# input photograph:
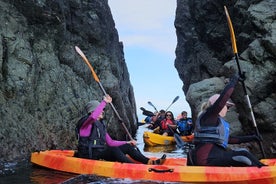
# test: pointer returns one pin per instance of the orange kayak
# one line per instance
(153, 139)
(173, 170)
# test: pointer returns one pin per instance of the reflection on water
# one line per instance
(26, 173)
(92, 179)
(159, 149)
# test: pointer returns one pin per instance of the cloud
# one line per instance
(149, 23)
(146, 28)
(145, 14)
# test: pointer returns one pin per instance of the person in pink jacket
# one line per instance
(95, 143)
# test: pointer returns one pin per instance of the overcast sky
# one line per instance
(146, 28)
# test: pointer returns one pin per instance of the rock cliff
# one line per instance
(205, 59)
(44, 83)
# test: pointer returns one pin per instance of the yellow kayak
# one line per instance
(173, 169)
(153, 139)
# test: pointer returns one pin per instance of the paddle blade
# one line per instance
(179, 142)
(152, 105)
(233, 39)
(88, 63)
(175, 99)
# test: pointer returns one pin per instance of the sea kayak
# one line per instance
(153, 139)
(173, 170)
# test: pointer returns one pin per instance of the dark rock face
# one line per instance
(204, 58)
(45, 83)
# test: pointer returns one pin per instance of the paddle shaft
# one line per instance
(235, 50)
(180, 143)
(116, 112)
(169, 106)
(102, 88)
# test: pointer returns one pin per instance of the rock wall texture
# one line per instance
(205, 59)
(44, 83)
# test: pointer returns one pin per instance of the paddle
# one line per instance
(152, 106)
(235, 50)
(101, 86)
(179, 142)
(174, 100)
(146, 112)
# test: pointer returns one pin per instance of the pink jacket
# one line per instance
(88, 124)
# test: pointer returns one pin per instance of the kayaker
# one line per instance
(184, 124)
(95, 143)
(165, 123)
(156, 119)
(211, 134)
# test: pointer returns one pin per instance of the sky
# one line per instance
(146, 28)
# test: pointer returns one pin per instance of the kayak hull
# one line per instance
(173, 170)
(153, 139)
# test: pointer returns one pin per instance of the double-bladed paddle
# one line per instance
(102, 88)
(235, 51)
(174, 100)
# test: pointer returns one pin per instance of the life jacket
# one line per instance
(96, 140)
(148, 119)
(185, 125)
(79, 125)
(164, 122)
(218, 134)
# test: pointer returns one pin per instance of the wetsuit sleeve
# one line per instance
(210, 118)
(96, 113)
(87, 125)
(242, 139)
(113, 143)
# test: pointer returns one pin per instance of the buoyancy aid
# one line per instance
(185, 124)
(96, 140)
(165, 122)
(218, 134)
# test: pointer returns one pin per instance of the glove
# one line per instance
(242, 77)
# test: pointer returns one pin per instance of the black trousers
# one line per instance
(119, 154)
(214, 155)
